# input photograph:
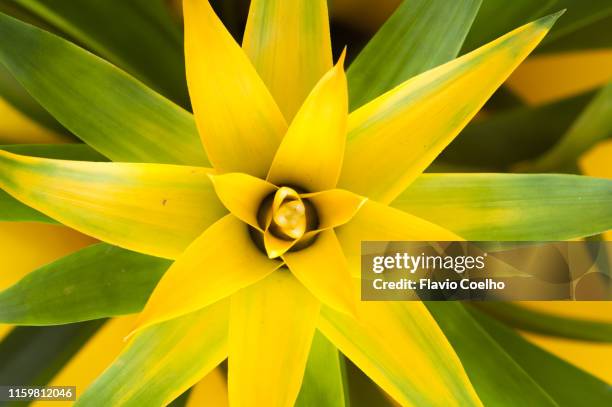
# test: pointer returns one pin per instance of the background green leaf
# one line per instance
(144, 40)
(593, 125)
(496, 141)
(566, 384)
(499, 16)
(512, 206)
(33, 355)
(420, 35)
(109, 110)
(527, 319)
(95, 282)
(497, 378)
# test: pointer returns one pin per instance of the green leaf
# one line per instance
(11, 209)
(420, 35)
(109, 110)
(96, 282)
(33, 355)
(495, 142)
(498, 16)
(579, 14)
(566, 384)
(497, 378)
(143, 40)
(593, 36)
(548, 324)
(163, 361)
(363, 391)
(324, 380)
(592, 126)
(512, 206)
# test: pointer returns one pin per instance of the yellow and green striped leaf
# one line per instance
(155, 209)
(512, 206)
(108, 109)
(160, 363)
(403, 350)
(289, 45)
(13, 210)
(392, 139)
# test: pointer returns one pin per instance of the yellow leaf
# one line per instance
(375, 221)
(595, 358)
(596, 163)
(95, 356)
(242, 195)
(155, 209)
(218, 263)
(548, 77)
(272, 324)
(334, 207)
(322, 268)
(211, 391)
(310, 155)
(239, 123)
(5, 330)
(15, 128)
(27, 246)
(274, 246)
(289, 44)
(401, 348)
(392, 139)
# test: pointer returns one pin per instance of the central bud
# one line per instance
(287, 216)
(285, 219)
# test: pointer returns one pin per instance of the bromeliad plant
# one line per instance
(303, 181)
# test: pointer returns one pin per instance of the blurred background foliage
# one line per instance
(554, 114)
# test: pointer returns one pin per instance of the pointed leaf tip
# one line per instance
(549, 20)
(341, 59)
